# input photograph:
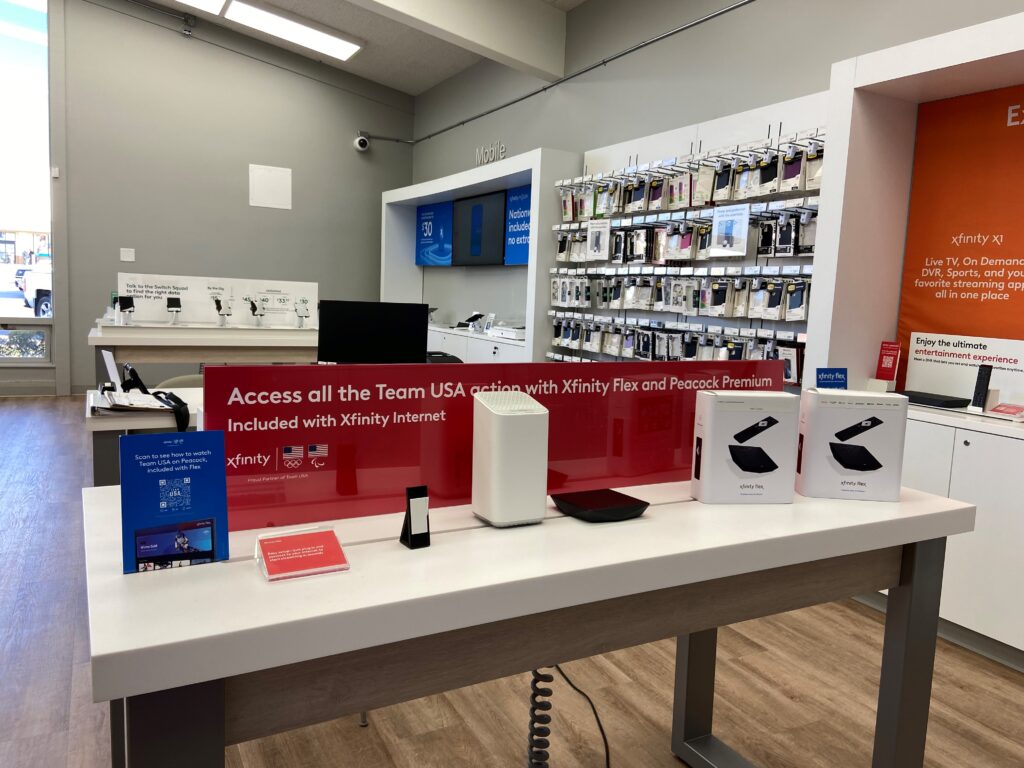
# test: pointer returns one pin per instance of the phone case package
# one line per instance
(744, 447)
(851, 444)
(792, 170)
(703, 185)
(723, 185)
(815, 165)
(679, 191)
(798, 294)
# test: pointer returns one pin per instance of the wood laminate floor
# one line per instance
(794, 691)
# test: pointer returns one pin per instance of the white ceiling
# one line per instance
(395, 54)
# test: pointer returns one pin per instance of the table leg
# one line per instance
(117, 733)
(908, 657)
(106, 468)
(101, 366)
(181, 726)
(692, 741)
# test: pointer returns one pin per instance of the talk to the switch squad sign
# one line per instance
(309, 443)
(963, 273)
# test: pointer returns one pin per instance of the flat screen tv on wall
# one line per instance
(479, 231)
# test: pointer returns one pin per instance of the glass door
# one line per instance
(26, 259)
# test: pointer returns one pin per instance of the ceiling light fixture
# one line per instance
(292, 31)
(213, 7)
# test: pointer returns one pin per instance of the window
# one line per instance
(24, 345)
(25, 256)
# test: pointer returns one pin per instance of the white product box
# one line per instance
(510, 458)
(507, 332)
(744, 447)
(851, 444)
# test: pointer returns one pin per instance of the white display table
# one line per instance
(219, 655)
(106, 427)
(201, 344)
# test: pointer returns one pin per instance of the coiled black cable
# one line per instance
(538, 752)
(537, 755)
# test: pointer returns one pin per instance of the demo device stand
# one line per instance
(174, 308)
(258, 311)
(126, 305)
(223, 311)
(416, 528)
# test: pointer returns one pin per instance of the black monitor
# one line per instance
(372, 332)
(478, 231)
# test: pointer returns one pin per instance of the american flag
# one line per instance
(292, 452)
(318, 450)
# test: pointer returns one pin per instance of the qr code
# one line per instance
(176, 493)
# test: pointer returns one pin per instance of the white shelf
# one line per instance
(963, 419)
(201, 336)
(402, 280)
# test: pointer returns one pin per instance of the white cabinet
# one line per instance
(449, 343)
(984, 575)
(475, 348)
(489, 351)
(928, 457)
(984, 582)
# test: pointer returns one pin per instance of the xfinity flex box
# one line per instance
(851, 444)
(744, 447)
(510, 458)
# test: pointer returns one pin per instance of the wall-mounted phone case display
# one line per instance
(703, 256)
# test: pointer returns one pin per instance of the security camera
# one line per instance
(361, 143)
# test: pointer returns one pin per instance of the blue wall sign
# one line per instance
(434, 235)
(517, 226)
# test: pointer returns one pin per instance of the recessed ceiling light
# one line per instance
(292, 31)
(210, 6)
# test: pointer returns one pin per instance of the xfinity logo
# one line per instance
(238, 460)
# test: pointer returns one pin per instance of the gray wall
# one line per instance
(457, 291)
(160, 132)
(707, 72)
(710, 71)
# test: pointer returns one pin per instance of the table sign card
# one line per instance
(832, 378)
(305, 552)
(888, 361)
(174, 509)
(1009, 411)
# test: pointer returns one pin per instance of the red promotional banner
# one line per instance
(963, 272)
(307, 443)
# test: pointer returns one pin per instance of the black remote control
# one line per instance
(981, 386)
